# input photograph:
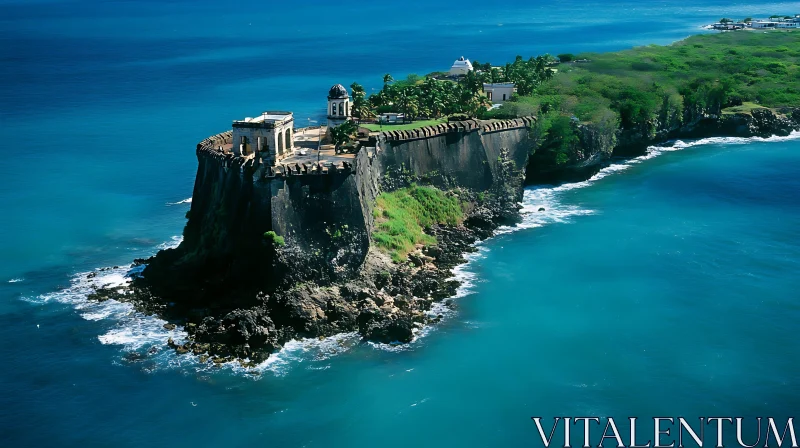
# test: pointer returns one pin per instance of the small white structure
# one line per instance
(390, 117)
(338, 105)
(763, 24)
(461, 67)
(776, 23)
(268, 137)
(500, 91)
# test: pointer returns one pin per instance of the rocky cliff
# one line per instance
(243, 294)
(596, 143)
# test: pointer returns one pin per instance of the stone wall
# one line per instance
(324, 214)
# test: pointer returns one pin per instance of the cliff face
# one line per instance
(596, 143)
(325, 218)
(713, 122)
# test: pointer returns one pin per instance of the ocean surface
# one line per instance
(664, 286)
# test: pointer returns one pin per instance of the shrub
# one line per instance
(274, 238)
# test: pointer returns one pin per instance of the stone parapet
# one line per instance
(466, 126)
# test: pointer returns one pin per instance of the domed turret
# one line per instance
(338, 92)
(338, 105)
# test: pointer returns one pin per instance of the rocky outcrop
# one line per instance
(242, 295)
(598, 143)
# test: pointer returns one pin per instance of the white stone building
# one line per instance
(500, 91)
(461, 67)
(267, 137)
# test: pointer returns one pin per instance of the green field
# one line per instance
(402, 126)
(744, 108)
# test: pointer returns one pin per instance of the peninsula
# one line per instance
(357, 226)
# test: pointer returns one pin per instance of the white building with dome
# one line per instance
(338, 105)
(461, 67)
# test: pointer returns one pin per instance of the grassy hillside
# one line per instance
(402, 215)
(661, 87)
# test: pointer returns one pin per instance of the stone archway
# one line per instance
(280, 143)
(288, 138)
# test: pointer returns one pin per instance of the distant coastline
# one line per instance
(749, 23)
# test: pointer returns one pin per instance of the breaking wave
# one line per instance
(185, 201)
(173, 243)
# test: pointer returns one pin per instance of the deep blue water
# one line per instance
(665, 286)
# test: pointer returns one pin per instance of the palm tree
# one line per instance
(387, 78)
(408, 103)
(360, 108)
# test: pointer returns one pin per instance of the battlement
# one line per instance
(219, 147)
(214, 148)
(218, 141)
(457, 127)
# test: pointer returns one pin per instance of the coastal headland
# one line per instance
(279, 245)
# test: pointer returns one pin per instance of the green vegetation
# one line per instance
(744, 108)
(274, 238)
(403, 126)
(402, 215)
(360, 107)
(343, 134)
(652, 88)
(431, 98)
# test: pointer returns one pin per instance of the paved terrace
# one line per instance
(306, 141)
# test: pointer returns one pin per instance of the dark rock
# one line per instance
(389, 329)
(133, 356)
(169, 326)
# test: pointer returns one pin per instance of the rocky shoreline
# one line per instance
(383, 301)
(387, 302)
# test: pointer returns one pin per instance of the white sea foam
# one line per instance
(132, 330)
(312, 351)
(174, 242)
(16, 280)
(185, 201)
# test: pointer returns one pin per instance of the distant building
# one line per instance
(762, 24)
(267, 137)
(776, 22)
(499, 92)
(461, 67)
(728, 26)
(390, 117)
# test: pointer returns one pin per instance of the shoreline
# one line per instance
(341, 340)
(273, 253)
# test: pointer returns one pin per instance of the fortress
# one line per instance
(270, 146)
(263, 175)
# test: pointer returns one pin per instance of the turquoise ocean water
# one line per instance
(664, 286)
